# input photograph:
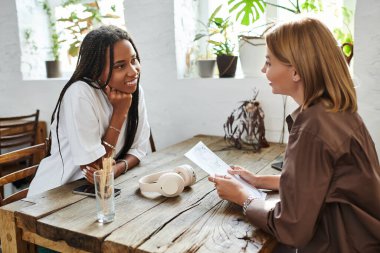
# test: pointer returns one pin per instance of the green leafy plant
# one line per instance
(217, 25)
(344, 35)
(77, 26)
(253, 9)
(311, 6)
(31, 46)
(208, 31)
(55, 38)
(224, 47)
(29, 51)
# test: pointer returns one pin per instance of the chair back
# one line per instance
(18, 132)
(28, 172)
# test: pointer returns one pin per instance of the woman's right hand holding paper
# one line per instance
(270, 182)
(244, 174)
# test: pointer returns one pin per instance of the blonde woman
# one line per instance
(330, 184)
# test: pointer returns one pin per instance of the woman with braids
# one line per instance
(330, 182)
(100, 112)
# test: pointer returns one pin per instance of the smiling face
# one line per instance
(126, 68)
(282, 77)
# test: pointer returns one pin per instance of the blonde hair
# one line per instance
(309, 46)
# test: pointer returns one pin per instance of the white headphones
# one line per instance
(168, 183)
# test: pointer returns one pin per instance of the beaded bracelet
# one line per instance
(247, 202)
(108, 145)
(114, 128)
(126, 165)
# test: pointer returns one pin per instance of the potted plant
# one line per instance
(206, 66)
(205, 63)
(223, 47)
(252, 52)
(225, 58)
(224, 50)
(52, 66)
(251, 44)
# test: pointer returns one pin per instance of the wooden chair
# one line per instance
(16, 133)
(30, 171)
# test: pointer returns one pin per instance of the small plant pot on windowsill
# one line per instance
(53, 69)
(206, 67)
(226, 65)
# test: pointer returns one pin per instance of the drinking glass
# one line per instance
(105, 196)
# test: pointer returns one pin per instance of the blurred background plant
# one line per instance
(225, 45)
(30, 51)
(252, 10)
(54, 35)
(207, 31)
(78, 23)
(344, 34)
(217, 31)
(29, 42)
(248, 12)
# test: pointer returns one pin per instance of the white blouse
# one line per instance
(84, 118)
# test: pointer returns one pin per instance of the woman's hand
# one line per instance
(88, 173)
(229, 189)
(270, 182)
(244, 174)
(121, 102)
(89, 170)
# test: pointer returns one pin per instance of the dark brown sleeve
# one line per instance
(304, 183)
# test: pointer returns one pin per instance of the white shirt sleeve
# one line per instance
(81, 124)
(141, 144)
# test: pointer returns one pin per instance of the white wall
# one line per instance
(367, 64)
(19, 97)
(179, 109)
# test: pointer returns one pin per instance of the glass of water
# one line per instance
(105, 196)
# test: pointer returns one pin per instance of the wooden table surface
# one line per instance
(197, 220)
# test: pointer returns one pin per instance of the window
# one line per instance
(338, 15)
(70, 20)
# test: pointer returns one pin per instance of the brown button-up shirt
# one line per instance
(329, 187)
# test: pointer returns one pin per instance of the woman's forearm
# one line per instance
(120, 167)
(268, 182)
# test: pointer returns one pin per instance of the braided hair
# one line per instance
(91, 62)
